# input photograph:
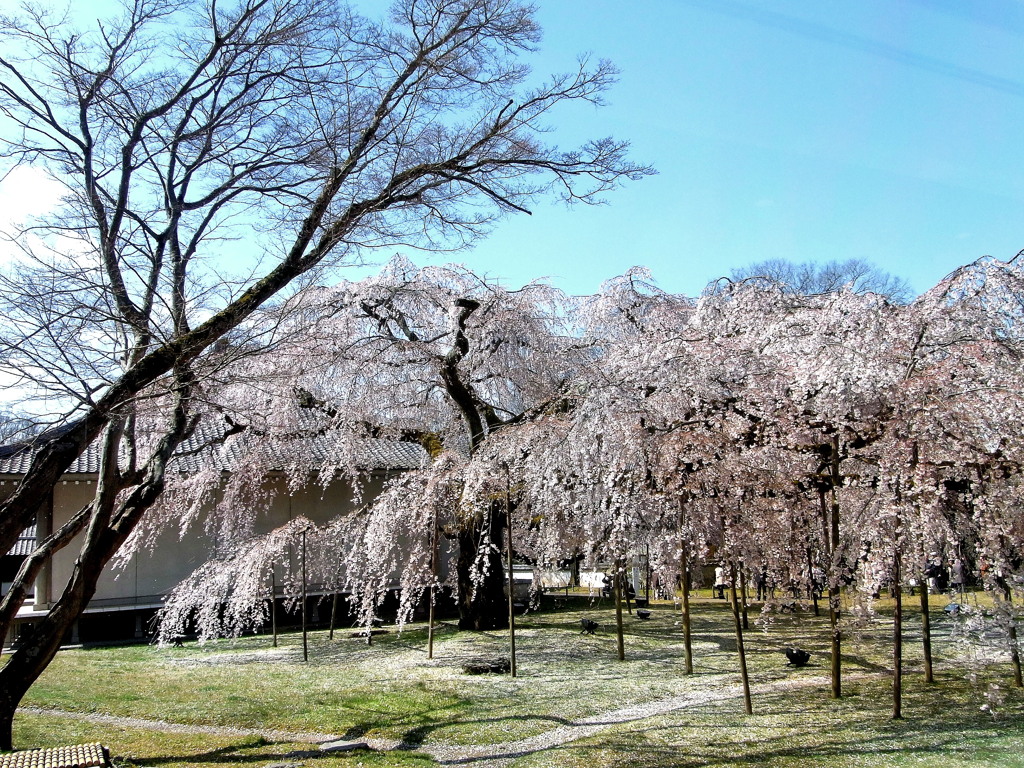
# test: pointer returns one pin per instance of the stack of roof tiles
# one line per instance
(78, 756)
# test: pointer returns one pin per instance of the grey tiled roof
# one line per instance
(14, 460)
(206, 449)
(25, 544)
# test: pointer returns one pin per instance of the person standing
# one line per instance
(720, 582)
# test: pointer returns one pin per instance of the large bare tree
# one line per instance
(811, 277)
(213, 156)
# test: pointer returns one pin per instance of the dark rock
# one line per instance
(485, 667)
(797, 656)
(363, 634)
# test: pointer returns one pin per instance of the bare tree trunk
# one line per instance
(40, 644)
(334, 614)
(60, 447)
(684, 569)
(35, 562)
(111, 522)
(482, 605)
(926, 631)
(618, 612)
(897, 639)
(740, 650)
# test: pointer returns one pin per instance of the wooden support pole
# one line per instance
(305, 640)
(617, 583)
(684, 567)
(814, 582)
(926, 632)
(511, 592)
(740, 650)
(433, 588)
(1018, 680)
(897, 638)
(744, 597)
(273, 604)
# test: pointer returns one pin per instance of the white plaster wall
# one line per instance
(171, 558)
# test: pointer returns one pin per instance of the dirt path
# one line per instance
(479, 755)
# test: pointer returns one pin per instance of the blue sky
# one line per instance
(889, 131)
(884, 130)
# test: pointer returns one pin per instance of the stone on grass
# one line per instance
(343, 746)
(362, 634)
(487, 666)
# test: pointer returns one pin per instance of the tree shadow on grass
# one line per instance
(909, 740)
(415, 737)
(231, 754)
(244, 753)
(862, 732)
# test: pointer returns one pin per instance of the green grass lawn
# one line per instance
(392, 693)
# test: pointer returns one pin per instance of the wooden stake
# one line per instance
(433, 588)
(830, 537)
(897, 638)
(1018, 681)
(684, 567)
(273, 604)
(743, 597)
(837, 642)
(647, 576)
(511, 588)
(305, 642)
(737, 622)
(926, 632)
(814, 585)
(617, 583)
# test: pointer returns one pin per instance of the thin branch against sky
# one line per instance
(878, 130)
